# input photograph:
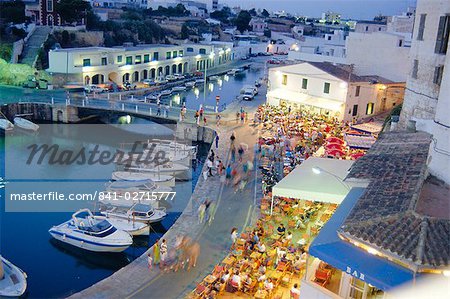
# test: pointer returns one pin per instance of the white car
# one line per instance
(148, 82)
(249, 88)
(160, 81)
(171, 78)
(94, 88)
(246, 96)
(179, 76)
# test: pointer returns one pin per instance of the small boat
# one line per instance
(138, 212)
(190, 84)
(159, 179)
(25, 124)
(152, 98)
(213, 78)
(91, 234)
(179, 88)
(199, 81)
(6, 125)
(13, 281)
(177, 170)
(122, 187)
(165, 93)
(180, 157)
(134, 228)
(173, 145)
(233, 72)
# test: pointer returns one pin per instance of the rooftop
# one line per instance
(390, 215)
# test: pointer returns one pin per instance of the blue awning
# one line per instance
(328, 247)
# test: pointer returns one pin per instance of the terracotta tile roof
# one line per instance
(385, 217)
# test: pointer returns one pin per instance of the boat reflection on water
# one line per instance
(94, 260)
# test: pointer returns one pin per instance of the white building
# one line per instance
(327, 89)
(427, 98)
(331, 17)
(96, 65)
(370, 26)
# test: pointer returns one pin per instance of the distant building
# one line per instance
(258, 25)
(427, 97)
(327, 89)
(47, 13)
(96, 65)
(370, 26)
(331, 17)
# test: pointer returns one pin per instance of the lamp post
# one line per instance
(211, 56)
(318, 170)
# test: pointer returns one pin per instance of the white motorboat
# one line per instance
(6, 125)
(123, 187)
(190, 84)
(134, 228)
(159, 179)
(87, 232)
(173, 145)
(152, 98)
(178, 88)
(165, 93)
(139, 212)
(177, 170)
(213, 78)
(25, 124)
(233, 72)
(13, 281)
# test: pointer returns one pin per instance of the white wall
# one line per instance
(297, 55)
(378, 54)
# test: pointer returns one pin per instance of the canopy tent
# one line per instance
(374, 127)
(331, 249)
(303, 183)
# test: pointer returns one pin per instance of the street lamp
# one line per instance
(210, 56)
(318, 170)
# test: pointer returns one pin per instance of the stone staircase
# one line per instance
(34, 43)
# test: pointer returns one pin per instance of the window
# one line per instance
(181, 53)
(156, 56)
(355, 110)
(202, 51)
(329, 37)
(146, 58)
(284, 80)
(138, 59)
(189, 49)
(119, 59)
(357, 91)
(326, 87)
(369, 108)
(168, 55)
(104, 61)
(129, 60)
(438, 72)
(415, 69)
(442, 35)
(49, 5)
(400, 42)
(423, 17)
(174, 54)
(87, 62)
(304, 83)
(379, 28)
(367, 28)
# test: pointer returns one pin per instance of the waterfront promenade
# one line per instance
(232, 210)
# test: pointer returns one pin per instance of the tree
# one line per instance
(184, 31)
(252, 12)
(13, 11)
(242, 21)
(265, 13)
(72, 11)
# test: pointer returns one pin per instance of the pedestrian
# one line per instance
(233, 154)
(237, 116)
(218, 117)
(204, 120)
(240, 152)
(158, 112)
(228, 174)
(201, 112)
(209, 165)
(233, 236)
(201, 213)
(212, 156)
(211, 212)
(232, 139)
(197, 115)
(220, 167)
(167, 111)
(217, 140)
(163, 251)
(205, 175)
(149, 261)
(156, 253)
(242, 117)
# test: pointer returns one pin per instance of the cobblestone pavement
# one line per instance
(232, 210)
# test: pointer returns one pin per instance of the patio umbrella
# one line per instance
(334, 146)
(356, 155)
(335, 140)
(335, 153)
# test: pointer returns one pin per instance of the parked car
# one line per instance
(94, 88)
(249, 88)
(149, 82)
(245, 58)
(198, 74)
(171, 78)
(112, 87)
(129, 86)
(253, 55)
(179, 76)
(247, 95)
(160, 81)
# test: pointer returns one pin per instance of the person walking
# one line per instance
(220, 168)
(158, 112)
(218, 117)
(233, 236)
(233, 154)
(240, 152)
(217, 140)
(228, 174)
(232, 139)
(196, 116)
(201, 112)
(163, 250)
(167, 111)
(211, 212)
(237, 116)
(149, 261)
(204, 120)
(156, 253)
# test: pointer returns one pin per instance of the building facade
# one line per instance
(97, 65)
(326, 89)
(427, 97)
(47, 13)
(370, 26)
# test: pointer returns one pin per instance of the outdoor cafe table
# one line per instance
(275, 237)
(210, 279)
(275, 275)
(229, 261)
(255, 255)
(261, 294)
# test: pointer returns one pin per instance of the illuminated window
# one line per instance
(138, 59)
(146, 58)
(174, 54)
(369, 108)
(87, 62)
(326, 87)
(104, 61)
(305, 83)
(129, 60)
(284, 81)
(156, 56)
(168, 55)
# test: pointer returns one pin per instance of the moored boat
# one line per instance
(134, 228)
(6, 125)
(25, 124)
(87, 232)
(179, 88)
(159, 179)
(138, 212)
(13, 281)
